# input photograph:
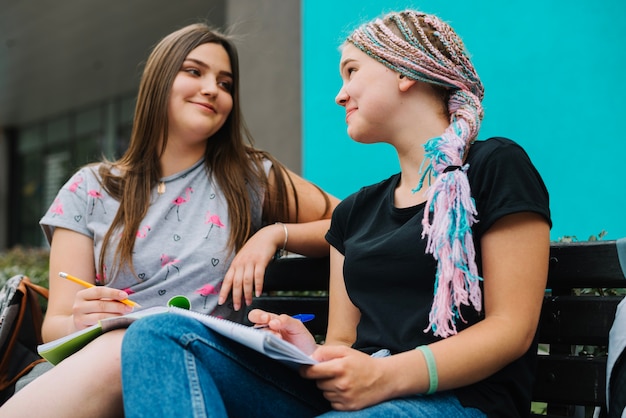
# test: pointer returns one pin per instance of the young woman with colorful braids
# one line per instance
(437, 273)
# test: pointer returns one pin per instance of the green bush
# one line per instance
(31, 262)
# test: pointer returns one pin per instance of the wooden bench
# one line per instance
(566, 379)
(567, 376)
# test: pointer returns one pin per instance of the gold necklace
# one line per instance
(162, 183)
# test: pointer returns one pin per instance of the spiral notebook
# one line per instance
(257, 339)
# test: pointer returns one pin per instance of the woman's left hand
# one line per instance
(350, 379)
(247, 270)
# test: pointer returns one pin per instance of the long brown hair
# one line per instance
(230, 155)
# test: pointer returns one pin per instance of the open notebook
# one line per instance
(257, 339)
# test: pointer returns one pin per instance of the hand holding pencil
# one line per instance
(86, 284)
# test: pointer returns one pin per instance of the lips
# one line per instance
(349, 112)
(209, 107)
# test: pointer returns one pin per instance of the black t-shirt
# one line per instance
(390, 279)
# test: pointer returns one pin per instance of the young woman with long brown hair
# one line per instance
(192, 208)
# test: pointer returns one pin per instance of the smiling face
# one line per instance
(369, 94)
(200, 99)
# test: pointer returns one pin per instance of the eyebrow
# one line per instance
(204, 65)
(345, 62)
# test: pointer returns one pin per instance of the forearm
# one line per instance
(70, 252)
(306, 238)
(466, 358)
(57, 326)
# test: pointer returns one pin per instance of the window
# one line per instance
(49, 152)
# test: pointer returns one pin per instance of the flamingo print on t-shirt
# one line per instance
(208, 290)
(178, 202)
(169, 263)
(214, 220)
(96, 196)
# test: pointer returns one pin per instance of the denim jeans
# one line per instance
(175, 366)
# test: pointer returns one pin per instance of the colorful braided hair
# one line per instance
(424, 48)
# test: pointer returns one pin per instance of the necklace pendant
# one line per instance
(161, 188)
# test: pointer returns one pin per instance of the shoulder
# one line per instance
(368, 193)
(498, 156)
(380, 187)
(357, 210)
(95, 170)
(262, 161)
(87, 175)
(496, 147)
(503, 181)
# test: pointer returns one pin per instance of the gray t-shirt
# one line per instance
(181, 245)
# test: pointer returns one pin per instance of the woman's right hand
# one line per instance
(71, 306)
(96, 303)
(286, 327)
(247, 270)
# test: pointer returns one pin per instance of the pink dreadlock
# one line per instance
(424, 48)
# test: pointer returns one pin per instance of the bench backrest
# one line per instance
(297, 285)
(568, 321)
(573, 323)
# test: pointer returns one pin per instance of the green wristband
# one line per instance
(431, 365)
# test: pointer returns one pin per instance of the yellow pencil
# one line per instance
(86, 284)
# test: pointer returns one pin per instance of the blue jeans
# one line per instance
(175, 366)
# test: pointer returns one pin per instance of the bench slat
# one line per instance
(578, 380)
(582, 320)
(297, 273)
(585, 264)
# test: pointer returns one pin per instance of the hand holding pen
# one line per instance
(81, 282)
(286, 327)
(299, 317)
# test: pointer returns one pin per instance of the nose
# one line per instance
(209, 87)
(342, 97)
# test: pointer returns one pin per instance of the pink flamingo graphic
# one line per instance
(168, 262)
(207, 290)
(57, 208)
(214, 220)
(143, 231)
(75, 185)
(180, 200)
(97, 197)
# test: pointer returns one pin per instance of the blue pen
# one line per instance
(303, 317)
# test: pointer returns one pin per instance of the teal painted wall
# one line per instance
(555, 80)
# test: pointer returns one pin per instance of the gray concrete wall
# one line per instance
(269, 49)
(4, 190)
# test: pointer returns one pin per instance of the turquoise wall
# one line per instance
(555, 80)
